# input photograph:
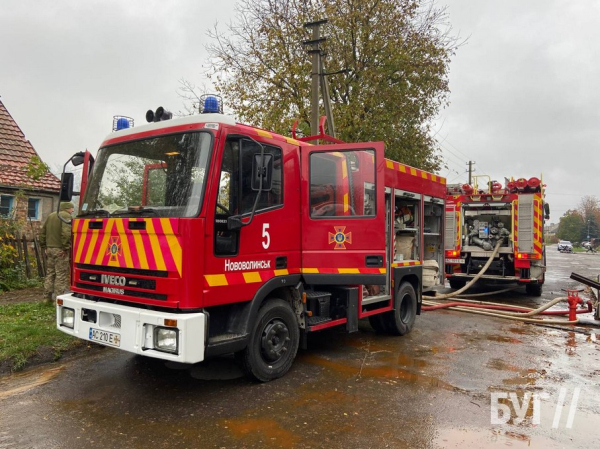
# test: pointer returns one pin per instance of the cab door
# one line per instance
(265, 245)
(343, 214)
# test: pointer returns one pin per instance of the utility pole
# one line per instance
(470, 164)
(319, 82)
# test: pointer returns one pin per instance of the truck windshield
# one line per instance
(163, 176)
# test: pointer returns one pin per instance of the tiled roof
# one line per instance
(15, 154)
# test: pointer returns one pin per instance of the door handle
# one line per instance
(374, 261)
(280, 262)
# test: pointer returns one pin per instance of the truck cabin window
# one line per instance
(342, 183)
(162, 176)
(237, 194)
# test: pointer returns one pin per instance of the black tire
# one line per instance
(534, 289)
(457, 283)
(377, 322)
(400, 321)
(273, 343)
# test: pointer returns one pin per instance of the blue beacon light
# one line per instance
(122, 123)
(211, 105)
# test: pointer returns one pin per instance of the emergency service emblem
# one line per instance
(114, 248)
(340, 238)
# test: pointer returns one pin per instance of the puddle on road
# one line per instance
(476, 336)
(490, 438)
(501, 365)
(18, 383)
(388, 367)
(521, 330)
(556, 426)
(256, 431)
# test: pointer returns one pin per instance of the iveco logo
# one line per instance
(113, 280)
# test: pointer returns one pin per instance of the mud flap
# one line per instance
(352, 310)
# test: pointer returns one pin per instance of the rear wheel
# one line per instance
(400, 321)
(377, 322)
(273, 343)
(534, 289)
(457, 283)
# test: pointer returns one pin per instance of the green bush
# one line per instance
(12, 272)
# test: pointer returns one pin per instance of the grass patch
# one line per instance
(27, 327)
(14, 279)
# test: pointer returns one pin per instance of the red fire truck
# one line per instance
(477, 219)
(200, 236)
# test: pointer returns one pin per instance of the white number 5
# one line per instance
(265, 233)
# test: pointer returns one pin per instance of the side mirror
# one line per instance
(78, 159)
(66, 186)
(546, 211)
(234, 223)
(262, 170)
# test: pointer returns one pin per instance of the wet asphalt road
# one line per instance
(432, 388)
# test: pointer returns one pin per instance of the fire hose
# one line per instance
(503, 311)
(475, 279)
(511, 312)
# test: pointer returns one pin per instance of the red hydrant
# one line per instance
(573, 299)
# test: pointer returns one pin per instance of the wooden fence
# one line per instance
(30, 255)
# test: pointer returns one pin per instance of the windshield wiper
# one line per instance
(138, 210)
(94, 212)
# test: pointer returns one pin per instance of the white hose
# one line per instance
(495, 292)
(531, 312)
(511, 317)
(499, 314)
(475, 279)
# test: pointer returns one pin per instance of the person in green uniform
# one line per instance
(55, 240)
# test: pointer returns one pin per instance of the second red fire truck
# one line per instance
(200, 236)
(511, 215)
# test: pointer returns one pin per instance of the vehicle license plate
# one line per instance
(104, 337)
(455, 260)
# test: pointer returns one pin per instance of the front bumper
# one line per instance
(131, 329)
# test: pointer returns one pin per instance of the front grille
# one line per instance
(134, 271)
(148, 284)
(126, 292)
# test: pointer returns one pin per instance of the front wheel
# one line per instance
(273, 343)
(400, 321)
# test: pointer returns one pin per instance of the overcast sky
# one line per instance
(525, 99)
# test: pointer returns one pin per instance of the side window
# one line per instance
(268, 198)
(33, 205)
(342, 183)
(6, 203)
(407, 220)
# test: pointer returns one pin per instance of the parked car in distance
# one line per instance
(564, 246)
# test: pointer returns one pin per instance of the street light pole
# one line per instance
(588, 233)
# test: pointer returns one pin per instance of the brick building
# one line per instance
(22, 198)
